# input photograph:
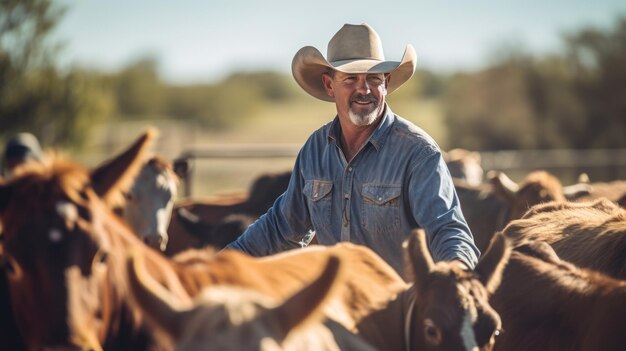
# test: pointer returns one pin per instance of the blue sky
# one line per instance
(204, 40)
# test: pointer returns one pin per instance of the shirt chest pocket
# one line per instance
(319, 195)
(381, 208)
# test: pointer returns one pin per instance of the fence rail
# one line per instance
(600, 161)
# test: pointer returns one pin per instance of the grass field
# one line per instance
(288, 124)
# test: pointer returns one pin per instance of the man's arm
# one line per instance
(436, 208)
(282, 227)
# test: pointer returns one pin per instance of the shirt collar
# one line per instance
(377, 139)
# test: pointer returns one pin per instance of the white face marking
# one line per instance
(55, 235)
(67, 211)
(467, 333)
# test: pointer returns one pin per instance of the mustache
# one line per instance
(363, 98)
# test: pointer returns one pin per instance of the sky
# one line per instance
(197, 41)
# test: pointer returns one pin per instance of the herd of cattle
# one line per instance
(108, 259)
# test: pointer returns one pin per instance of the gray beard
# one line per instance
(363, 120)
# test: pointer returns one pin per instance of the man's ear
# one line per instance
(327, 80)
(387, 80)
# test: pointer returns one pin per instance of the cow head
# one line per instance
(537, 187)
(465, 165)
(149, 203)
(452, 310)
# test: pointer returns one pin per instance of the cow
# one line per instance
(614, 191)
(549, 304)
(233, 318)
(199, 222)
(465, 165)
(217, 235)
(588, 234)
(149, 202)
(488, 208)
(63, 250)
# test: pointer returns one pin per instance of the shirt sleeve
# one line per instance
(284, 226)
(436, 208)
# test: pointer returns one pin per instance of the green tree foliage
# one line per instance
(231, 101)
(599, 59)
(139, 90)
(34, 95)
(568, 100)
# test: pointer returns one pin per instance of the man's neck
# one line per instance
(353, 137)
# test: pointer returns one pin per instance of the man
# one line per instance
(369, 176)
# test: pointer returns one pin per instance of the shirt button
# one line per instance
(347, 196)
(380, 199)
(349, 169)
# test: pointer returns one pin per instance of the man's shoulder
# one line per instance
(407, 132)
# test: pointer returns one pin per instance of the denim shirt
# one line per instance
(398, 181)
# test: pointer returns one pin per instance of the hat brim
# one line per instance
(309, 64)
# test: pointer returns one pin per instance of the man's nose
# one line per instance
(362, 86)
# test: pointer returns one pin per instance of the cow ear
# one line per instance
(162, 307)
(420, 261)
(504, 187)
(6, 192)
(307, 305)
(115, 176)
(492, 263)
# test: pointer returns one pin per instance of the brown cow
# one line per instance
(547, 304)
(488, 208)
(200, 222)
(588, 234)
(229, 318)
(464, 165)
(63, 251)
(614, 191)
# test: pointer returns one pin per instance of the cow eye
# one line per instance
(432, 333)
(100, 259)
(11, 267)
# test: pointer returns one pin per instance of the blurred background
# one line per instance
(532, 85)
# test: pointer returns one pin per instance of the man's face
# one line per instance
(359, 97)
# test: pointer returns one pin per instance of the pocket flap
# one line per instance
(380, 194)
(317, 189)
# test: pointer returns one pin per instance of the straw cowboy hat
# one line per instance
(353, 49)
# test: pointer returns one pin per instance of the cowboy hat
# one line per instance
(353, 49)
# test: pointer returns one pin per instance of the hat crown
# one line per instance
(355, 41)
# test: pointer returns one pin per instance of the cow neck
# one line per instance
(409, 299)
(503, 217)
(408, 325)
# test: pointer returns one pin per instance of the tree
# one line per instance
(35, 95)
(572, 99)
(599, 59)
